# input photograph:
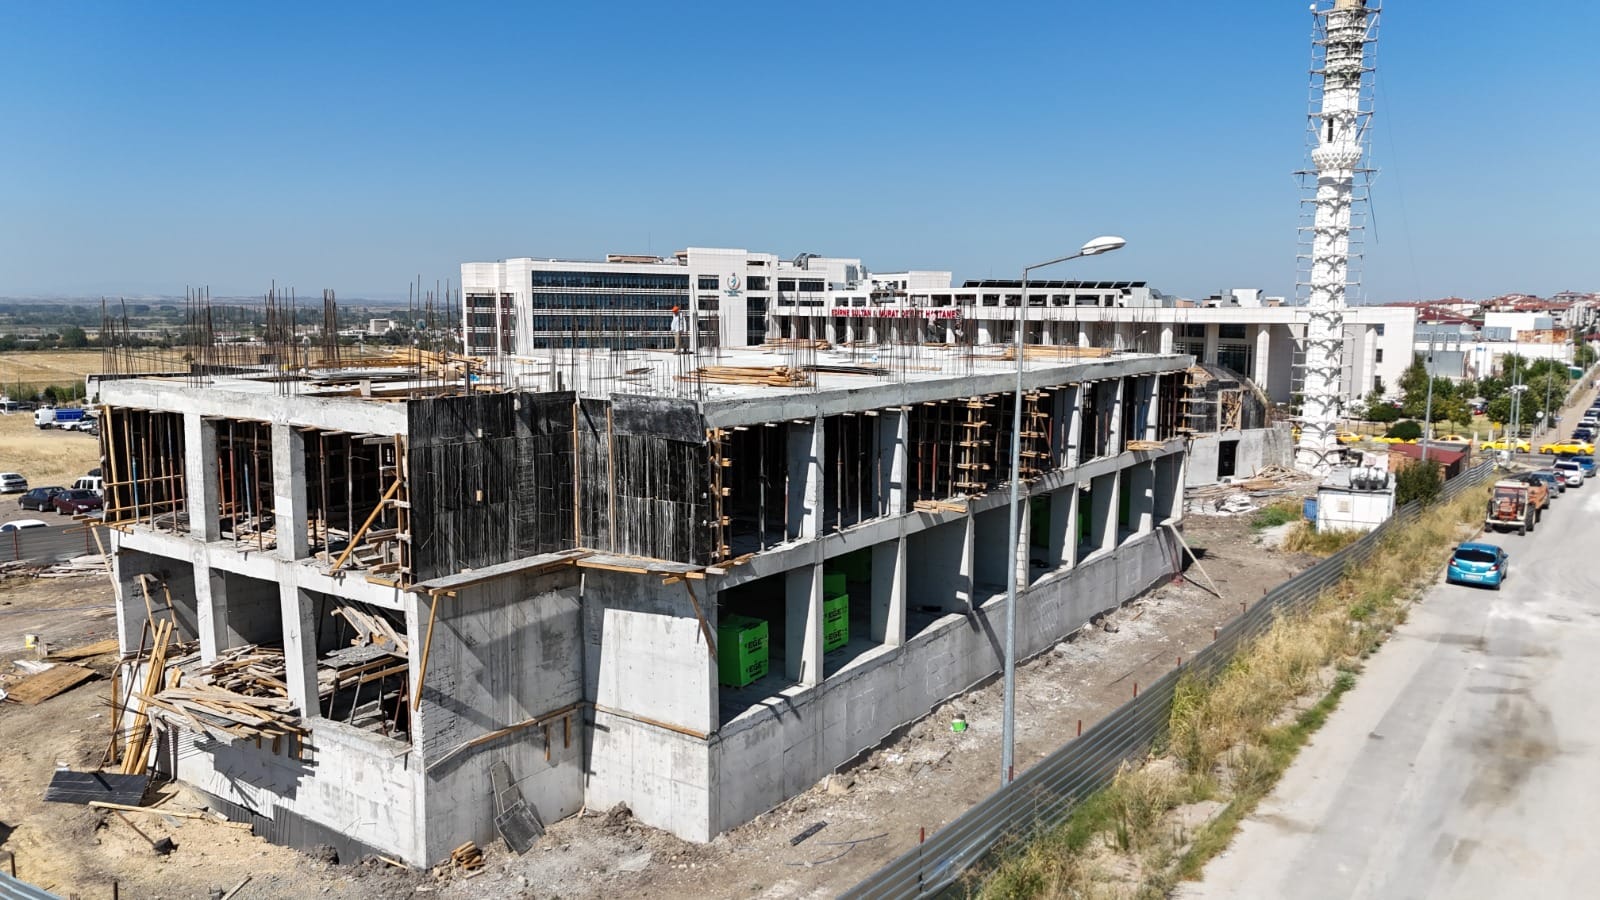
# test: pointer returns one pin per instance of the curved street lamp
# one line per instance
(1095, 247)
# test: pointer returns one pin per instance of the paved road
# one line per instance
(1466, 761)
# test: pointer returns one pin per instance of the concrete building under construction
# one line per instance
(395, 586)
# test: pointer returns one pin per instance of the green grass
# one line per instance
(1274, 514)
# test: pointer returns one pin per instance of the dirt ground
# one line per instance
(873, 812)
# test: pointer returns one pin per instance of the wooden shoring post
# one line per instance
(427, 648)
(322, 479)
(149, 608)
(127, 451)
(705, 627)
(362, 531)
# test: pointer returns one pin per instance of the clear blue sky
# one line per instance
(148, 146)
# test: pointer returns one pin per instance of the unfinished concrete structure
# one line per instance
(547, 570)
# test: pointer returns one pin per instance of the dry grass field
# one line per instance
(42, 367)
(45, 457)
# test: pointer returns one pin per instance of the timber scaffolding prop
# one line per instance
(244, 482)
(381, 544)
(144, 454)
(761, 376)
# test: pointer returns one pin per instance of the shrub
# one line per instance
(1405, 431)
(1421, 480)
(1382, 412)
(1275, 514)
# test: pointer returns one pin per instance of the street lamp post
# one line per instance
(1008, 729)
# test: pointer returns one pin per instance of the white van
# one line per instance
(91, 483)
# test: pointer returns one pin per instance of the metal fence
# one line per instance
(47, 545)
(1046, 794)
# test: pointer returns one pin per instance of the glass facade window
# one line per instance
(1236, 359)
(637, 281)
(1194, 331)
(786, 285)
(707, 282)
(757, 283)
(1233, 332)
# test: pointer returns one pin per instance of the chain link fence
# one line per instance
(1046, 794)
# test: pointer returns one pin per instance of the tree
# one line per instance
(1382, 413)
(1405, 431)
(1418, 480)
(1583, 355)
(1499, 410)
(74, 338)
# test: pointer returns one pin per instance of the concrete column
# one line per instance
(1213, 330)
(1074, 435)
(299, 647)
(889, 592)
(1047, 333)
(1142, 481)
(200, 477)
(1166, 338)
(1119, 395)
(1259, 371)
(1103, 514)
(892, 450)
(1152, 406)
(1063, 519)
(967, 575)
(805, 479)
(211, 610)
(289, 491)
(1083, 335)
(131, 615)
(984, 333)
(1022, 553)
(802, 644)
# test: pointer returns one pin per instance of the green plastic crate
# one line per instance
(741, 650)
(835, 622)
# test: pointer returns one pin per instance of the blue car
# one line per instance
(1587, 462)
(1476, 563)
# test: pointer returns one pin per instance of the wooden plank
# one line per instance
(36, 689)
(86, 651)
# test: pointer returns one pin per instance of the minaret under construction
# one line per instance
(1342, 52)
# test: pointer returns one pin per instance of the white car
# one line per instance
(20, 524)
(1571, 471)
(12, 483)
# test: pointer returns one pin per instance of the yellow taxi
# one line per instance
(1522, 446)
(1566, 447)
(1349, 437)
(1455, 439)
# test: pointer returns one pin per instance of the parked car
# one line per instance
(1348, 437)
(12, 483)
(1571, 471)
(1558, 448)
(1584, 461)
(39, 498)
(72, 503)
(1520, 446)
(1478, 563)
(21, 524)
(91, 483)
(1553, 481)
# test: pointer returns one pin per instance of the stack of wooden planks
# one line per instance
(766, 376)
(795, 344)
(371, 628)
(1057, 351)
(1145, 445)
(242, 693)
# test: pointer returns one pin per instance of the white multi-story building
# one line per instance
(626, 302)
(1262, 342)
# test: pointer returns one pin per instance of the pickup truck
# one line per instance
(1512, 505)
(1540, 493)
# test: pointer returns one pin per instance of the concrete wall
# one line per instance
(1257, 449)
(503, 652)
(773, 753)
(349, 781)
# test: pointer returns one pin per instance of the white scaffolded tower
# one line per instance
(1343, 52)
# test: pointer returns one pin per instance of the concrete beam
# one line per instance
(261, 403)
